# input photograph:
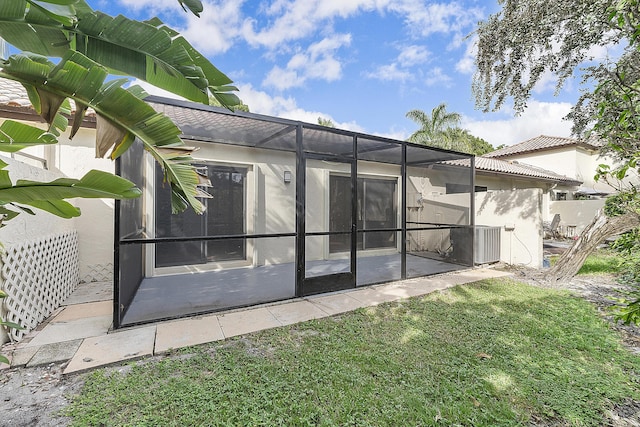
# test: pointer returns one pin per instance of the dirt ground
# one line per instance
(35, 396)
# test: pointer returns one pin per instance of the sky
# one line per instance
(363, 64)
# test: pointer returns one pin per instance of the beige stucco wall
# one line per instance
(575, 213)
(574, 162)
(519, 214)
(74, 158)
(25, 226)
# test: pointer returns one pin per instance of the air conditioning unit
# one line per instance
(487, 244)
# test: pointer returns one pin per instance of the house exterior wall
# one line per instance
(27, 227)
(574, 162)
(73, 158)
(575, 213)
(519, 214)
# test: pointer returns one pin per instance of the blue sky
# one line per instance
(361, 63)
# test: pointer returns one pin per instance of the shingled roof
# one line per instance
(491, 166)
(544, 142)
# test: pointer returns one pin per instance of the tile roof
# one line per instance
(544, 142)
(13, 94)
(497, 166)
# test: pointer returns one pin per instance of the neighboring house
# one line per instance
(571, 157)
(574, 158)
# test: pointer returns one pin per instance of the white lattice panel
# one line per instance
(38, 275)
(98, 273)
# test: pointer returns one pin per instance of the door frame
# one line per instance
(329, 282)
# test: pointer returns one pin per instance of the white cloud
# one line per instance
(399, 69)
(261, 102)
(390, 72)
(218, 27)
(317, 62)
(437, 76)
(152, 90)
(467, 64)
(297, 19)
(427, 18)
(215, 31)
(540, 118)
(413, 55)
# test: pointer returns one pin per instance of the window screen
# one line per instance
(225, 215)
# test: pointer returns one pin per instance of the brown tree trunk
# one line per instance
(601, 228)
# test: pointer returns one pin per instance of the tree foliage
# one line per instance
(529, 40)
(90, 48)
(441, 129)
(326, 122)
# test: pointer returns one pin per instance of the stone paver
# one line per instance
(188, 332)
(80, 311)
(336, 303)
(72, 330)
(91, 292)
(372, 296)
(22, 356)
(296, 312)
(244, 322)
(83, 328)
(53, 353)
(112, 348)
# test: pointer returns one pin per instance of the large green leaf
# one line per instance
(75, 76)
(147, 50)
(56, 207)
(15, 136)
(195, 6)
(95, 184)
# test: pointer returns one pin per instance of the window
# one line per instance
(463, 188)
(561, 195)
(376, 208)
(225, 215)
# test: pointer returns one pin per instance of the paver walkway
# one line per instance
(80, 331)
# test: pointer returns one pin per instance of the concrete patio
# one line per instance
(80, 331)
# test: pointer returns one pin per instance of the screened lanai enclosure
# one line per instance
(297, 209)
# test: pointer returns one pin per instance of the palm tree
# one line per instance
(433, 127)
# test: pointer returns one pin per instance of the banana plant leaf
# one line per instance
(82, 79)
(14, 136)
(49, 196)
(195, 6)
(147, 50)
(94, 184)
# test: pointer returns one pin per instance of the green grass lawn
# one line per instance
(493, 353)
(601, 261)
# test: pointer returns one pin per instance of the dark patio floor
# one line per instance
(183, 294)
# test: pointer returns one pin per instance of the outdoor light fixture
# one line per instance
(287, 177)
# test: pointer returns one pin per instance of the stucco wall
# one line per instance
(519, 213)
(576, 213)
(74, 158)
(29, 227)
